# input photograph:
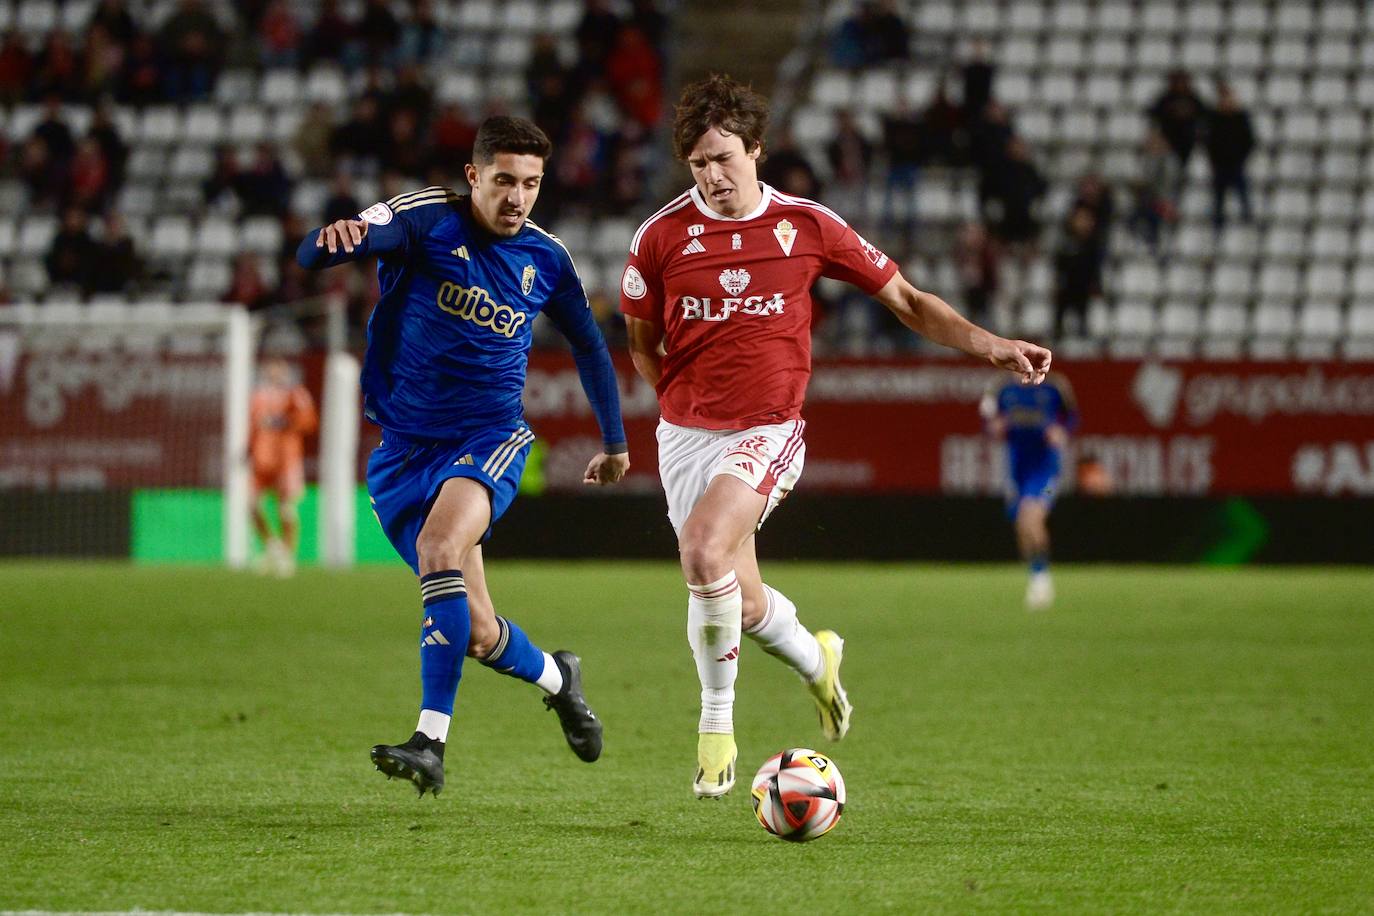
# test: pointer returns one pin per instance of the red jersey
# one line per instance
(733, 297)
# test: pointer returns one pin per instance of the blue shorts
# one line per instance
(404, 477)
(1031, 478)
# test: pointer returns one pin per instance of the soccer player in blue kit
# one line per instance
(1035, 421)
(462, 279)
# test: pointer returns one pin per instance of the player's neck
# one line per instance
(749, 196)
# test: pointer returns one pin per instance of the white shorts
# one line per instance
(768, 458)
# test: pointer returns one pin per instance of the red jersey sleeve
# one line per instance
(641, 284)
(852, 258)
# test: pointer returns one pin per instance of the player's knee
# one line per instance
(704, 558)
(439, 550)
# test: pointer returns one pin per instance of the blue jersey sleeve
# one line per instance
(571, 313)
(392, 228)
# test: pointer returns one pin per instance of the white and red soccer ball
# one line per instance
(798, 794)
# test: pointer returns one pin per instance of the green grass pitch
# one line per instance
(1182, 739)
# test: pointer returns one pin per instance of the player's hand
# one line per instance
(1057, 436)
(1028, 360)
(606, 469)
(343, 233)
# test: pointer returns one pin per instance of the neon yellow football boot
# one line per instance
(715, 765)
(826, 690)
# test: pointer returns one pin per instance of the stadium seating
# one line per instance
(1078, 76)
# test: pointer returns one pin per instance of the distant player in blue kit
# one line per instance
(462, 279)
(1035, 421)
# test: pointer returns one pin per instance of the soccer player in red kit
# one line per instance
(716, 297)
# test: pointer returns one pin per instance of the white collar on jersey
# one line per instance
(707, 211)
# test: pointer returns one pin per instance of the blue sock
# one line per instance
(443, 638)
(514, 654)
(1039, 563)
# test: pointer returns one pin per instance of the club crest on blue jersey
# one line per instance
(527, 279)
(473, 303)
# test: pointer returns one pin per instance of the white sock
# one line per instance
(434, 724)
(713, 625)
(551, 680)
(781, 634)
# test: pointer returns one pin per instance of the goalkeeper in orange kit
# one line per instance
(282, 415)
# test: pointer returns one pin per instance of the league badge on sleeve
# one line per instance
(632, 284)
(786, 234)
(527, 279)
(379, 214)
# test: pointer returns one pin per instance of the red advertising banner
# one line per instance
(1150, 428)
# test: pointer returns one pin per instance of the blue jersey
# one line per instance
(1028, 411)
(448, 342)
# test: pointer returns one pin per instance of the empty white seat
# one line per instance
(1020, 52)
(459, 86)
(1240, 242)
(1344, 128)
(1324, 281)
(1180, 319)
(1339, 168)
(1328, 91)
(1202, 18)
(209, 278)
(247, 124)
(1242, 52)
(563, 15)
(204, 124)
(1337, 205)
(326, 84)
(1197, 53)
(8, 237)
(1364, 242)
(1278, 282)
(1138, 280)
(1293, 18)
(37, 17)
(36, 233)
(1114, 17)
(192, 163)
(981, 18)
(1160, 18)
(1334, 54)
(1289, 54)
(1232, 282)
(1225, 319)
(1340, 18)
(476, 15)
(833, 89)
(1282, 90)
(1320, 320)
(1288, 204)
(1026, 18)
(216, 236)
(280, 88)
(1329, 243)
(1247, 19)
(1133, 318)
(1274, 319)
(520, 15)
(612, 237)
(1295, 165)
(171, 237)
(1154, 53)
(1183, 282)
(937, 17)
(285, 123)
(262, 234)
(160, 124)
(1359, 320)
(511, 52)
(236, 87)
(1362, 283)
(878, 89)
(1064, 51)
(1104, 91)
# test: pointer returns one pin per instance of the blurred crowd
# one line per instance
(601, 104)
(976, 139)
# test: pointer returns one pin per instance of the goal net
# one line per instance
(125, 431)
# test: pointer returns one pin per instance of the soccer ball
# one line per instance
(798, 794)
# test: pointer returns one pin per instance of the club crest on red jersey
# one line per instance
(786, 234)
(735, 280)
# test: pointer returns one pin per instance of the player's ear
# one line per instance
(470, 172)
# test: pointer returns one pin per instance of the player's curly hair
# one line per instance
(506, 134)
(718, 101)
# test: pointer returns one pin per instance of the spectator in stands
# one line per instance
(1178, 113)
(942, 126)
(16, 68)
(1077, 277)
(580, 160)
(787, 168)
(192, 45)
(104, 132)
(978, 259)
(359, 139)
(45, 179)
(873, 36)
(380, 32)
(248, 285)
(141, 80)
(1230, 139)
(851, 156)
(904, 146)
(452, 134)
(311, 141)
(331, 38)
(88, 178)
(595, 34)
(635, 75)
(549, 86)
(341, 202)
(119, 264)
(264, 187)
(71, 257)
(1012, 193)
(220, 190)
(279, 36)
(411, 93)
(422, 38)
(1155, 207)
(988, 137)
(406, 151)
(58, 69)
(54, 132)
(102, 64)
(645, 16)
(1094, 195)
(978, 74)
(114, 17)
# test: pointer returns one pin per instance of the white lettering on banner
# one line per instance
(1334, 469)
(1159, 391)
(1136, 465)
(1152, 465)
(706, 308)
(885, 384)
(559, 393)
(118, 379)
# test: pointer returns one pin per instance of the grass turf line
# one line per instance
(1164, 739)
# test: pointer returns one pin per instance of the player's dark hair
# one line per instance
(720, 102)
(506, 134)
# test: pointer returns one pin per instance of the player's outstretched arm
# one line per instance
(347, 240)
(934, 318)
